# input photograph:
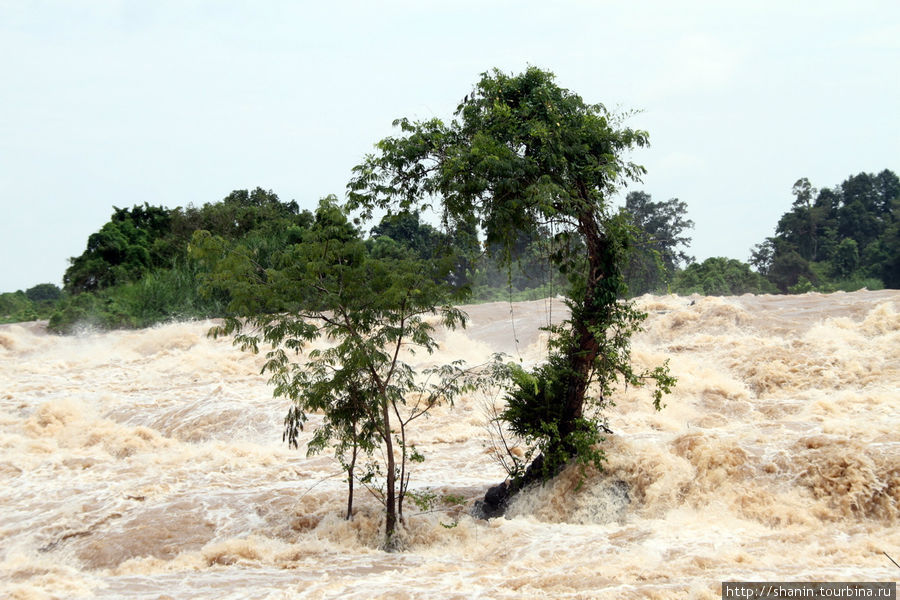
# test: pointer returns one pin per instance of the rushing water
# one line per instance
(149, 464)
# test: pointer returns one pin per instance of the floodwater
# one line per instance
(149, 465)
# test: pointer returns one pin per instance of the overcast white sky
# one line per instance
(106, 102)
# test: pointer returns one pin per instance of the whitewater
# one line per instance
(149, 464)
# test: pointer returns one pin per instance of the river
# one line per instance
(149, 464)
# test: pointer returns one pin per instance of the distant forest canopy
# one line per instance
(136, 271)
(836, 238)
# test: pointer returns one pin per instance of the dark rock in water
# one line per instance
(497, 495)
(496, 500)
(494, 503)
(609, 501)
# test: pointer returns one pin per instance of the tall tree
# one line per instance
(405, 228)
(522, 153)
(660, 245)
(804, 194)
(122, 250)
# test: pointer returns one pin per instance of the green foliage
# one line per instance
(536, 401)
(846, 258)
(428, 500)
(34, 303)
(239, 214)
(802, 286)
(788, 268)
(161, 295)
(836, 238)
(406, 229)
(13, 302)
(137, 271)
(44, 292)
(16, 307)
(850, 285)
(719, 276)
(150, 243)
(121, 251)
(535, 408)
(136, 241)
(92, 310)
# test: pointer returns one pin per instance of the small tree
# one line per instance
(370, 300)
(523, 153)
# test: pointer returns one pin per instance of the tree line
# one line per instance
(843, 237)
(135, 270)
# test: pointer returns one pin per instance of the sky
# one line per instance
(115, 103)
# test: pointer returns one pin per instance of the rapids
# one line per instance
(149, 465)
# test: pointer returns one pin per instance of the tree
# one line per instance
(659, 247)
(371, 299)
(787, 268)
(889, 269)
(762, 255)
(16, 306)
(239, 214)
(846, 258)
(522, 153)
(137, 269)
(406, 229)
(121, 251)
(43, 292)
(803, 206)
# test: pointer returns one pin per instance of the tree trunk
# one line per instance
(350, 471)
(404, 478)
(586, 348)
(599, 296)
(390, 499)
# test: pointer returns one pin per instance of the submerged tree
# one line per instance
(370, 302)
(523, 153)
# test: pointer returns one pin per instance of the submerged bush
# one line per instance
(164, 294)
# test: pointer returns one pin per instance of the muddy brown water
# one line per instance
(149, 464)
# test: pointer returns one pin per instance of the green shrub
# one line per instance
(14, 303)
(851, 285)
(162, 295)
